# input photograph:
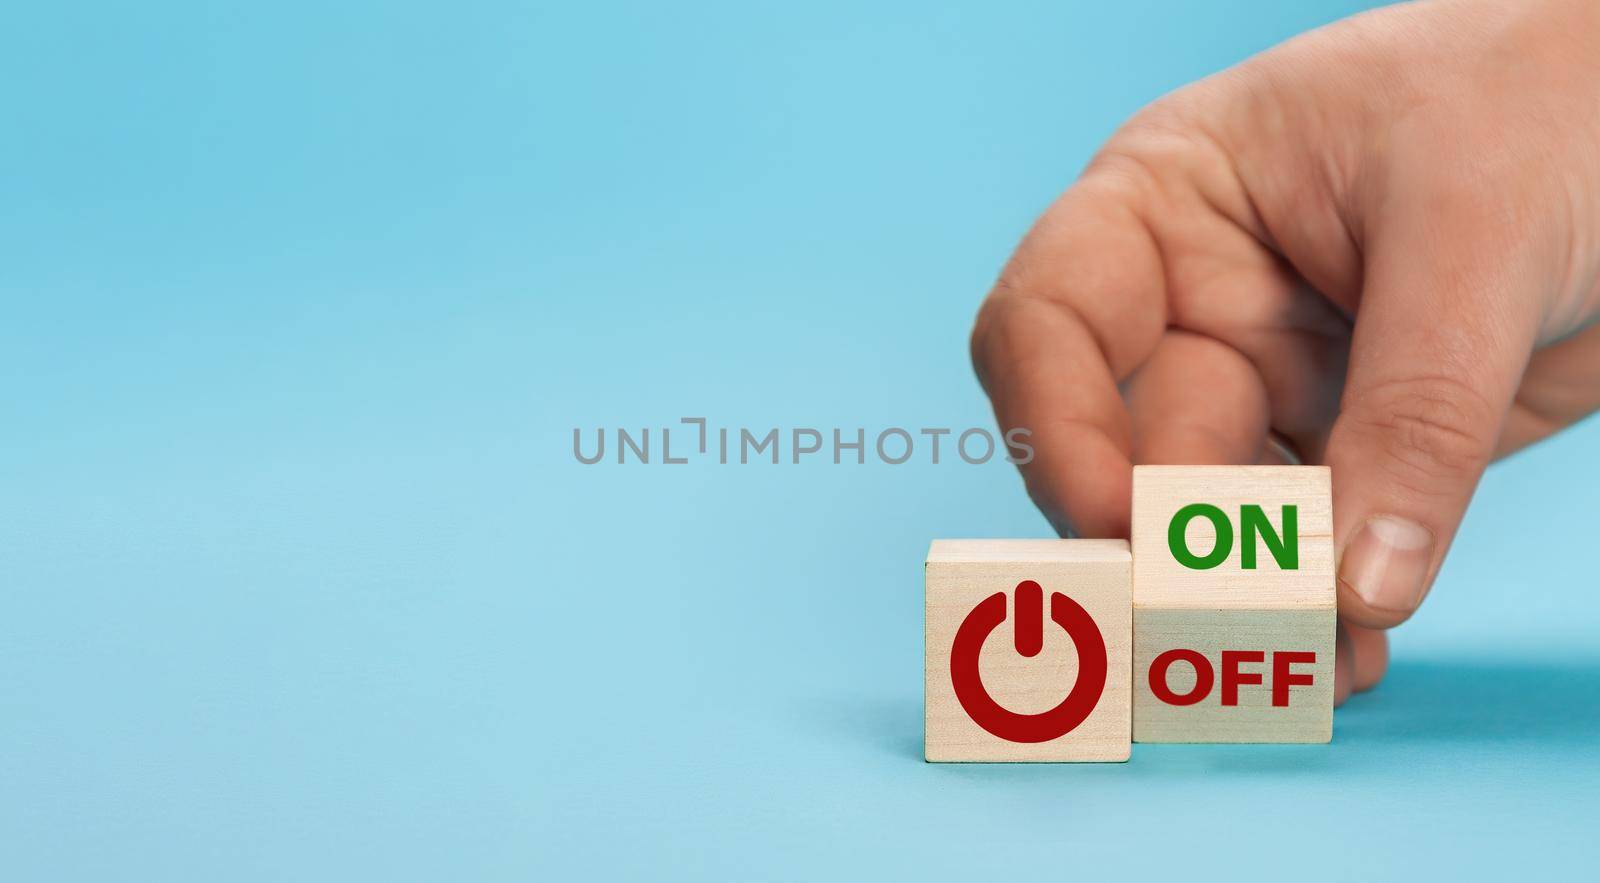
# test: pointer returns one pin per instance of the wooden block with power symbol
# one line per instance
(1028, 650)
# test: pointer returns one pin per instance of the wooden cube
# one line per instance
(1233, 604)
(1029, 644)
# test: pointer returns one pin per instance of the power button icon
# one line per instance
(1028, 631)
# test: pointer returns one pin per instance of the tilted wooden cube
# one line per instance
(1233, 604)
(1028, 650)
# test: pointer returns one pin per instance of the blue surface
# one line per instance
(300, 580)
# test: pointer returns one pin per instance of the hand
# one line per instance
(1376, 246)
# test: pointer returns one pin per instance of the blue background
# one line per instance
(299, 578)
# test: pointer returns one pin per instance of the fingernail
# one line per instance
(1387, 563)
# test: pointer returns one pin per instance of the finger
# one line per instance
(1560, 387)
(1344, 665)
(1079, 306)
(1197, 400)
(1226, 285)
(1371, 655)
(1444, 328)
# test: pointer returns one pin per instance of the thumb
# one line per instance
(1442, 335)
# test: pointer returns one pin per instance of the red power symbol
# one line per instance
(1029, 634)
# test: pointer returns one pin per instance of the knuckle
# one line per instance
(1429, 426)
(999, 332)
(1153, 152)
(1137, 167)
(1006, 334)
(988, 327)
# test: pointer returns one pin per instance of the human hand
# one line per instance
(1376, 246)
